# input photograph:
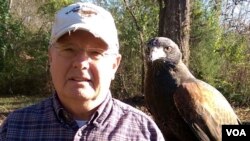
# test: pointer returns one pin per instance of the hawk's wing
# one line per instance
(204, 109)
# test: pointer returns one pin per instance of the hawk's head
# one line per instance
(162, 48)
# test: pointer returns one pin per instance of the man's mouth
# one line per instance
(80, 79)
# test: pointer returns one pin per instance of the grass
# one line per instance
(11, 103)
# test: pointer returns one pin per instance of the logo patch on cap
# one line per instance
(75, 9)
(86, 13)
(83, 13)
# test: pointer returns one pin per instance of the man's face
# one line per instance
(81, 67)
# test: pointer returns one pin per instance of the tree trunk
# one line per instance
(174, 23)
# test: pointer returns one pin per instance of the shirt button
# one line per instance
(79, 133)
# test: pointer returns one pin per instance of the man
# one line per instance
(84, 56)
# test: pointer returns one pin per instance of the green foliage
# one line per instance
(23, 58)
(131, 32)
(219, 57)
(235, 71)
(51, 6)
(24, 70)
(205, 36)
(4, 16)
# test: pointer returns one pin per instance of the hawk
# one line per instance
(184, 107)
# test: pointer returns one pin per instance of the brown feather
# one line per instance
(185, 108)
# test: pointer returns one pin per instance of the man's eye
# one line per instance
(67, 52)
(95, 53)
(68, 49)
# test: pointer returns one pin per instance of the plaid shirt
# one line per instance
(47, 121)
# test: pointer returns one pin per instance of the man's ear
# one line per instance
(116, 64)
(49, 55)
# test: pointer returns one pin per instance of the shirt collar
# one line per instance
(62, 115)
(97, 118)
(103, 111)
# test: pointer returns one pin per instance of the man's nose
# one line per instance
(81, 60)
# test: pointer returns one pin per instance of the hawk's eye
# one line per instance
(167, 49)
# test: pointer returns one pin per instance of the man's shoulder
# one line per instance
(32, 111)
(128, 109)
(136, 121)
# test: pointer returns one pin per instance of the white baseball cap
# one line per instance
(88, 17)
